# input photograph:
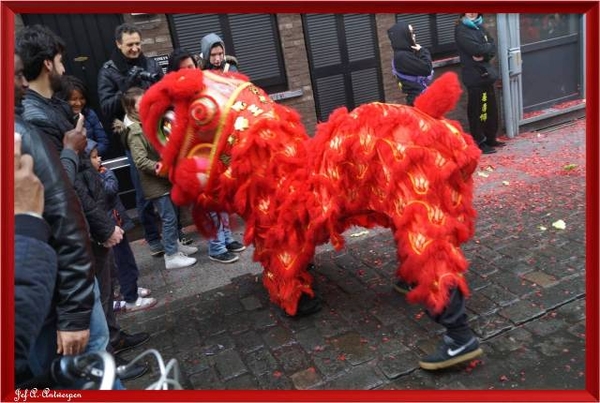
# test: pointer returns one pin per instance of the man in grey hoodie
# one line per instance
(212, 54)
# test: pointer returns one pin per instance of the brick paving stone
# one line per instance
(357, 378)
(278, 337)
(353, 348)
(540, 278)
(488, 326)
(251, 303)
(513, 282)
(292, 359)
(310, 338)
(306, 379)
(249, 341)
(512, 340)
(328, 362)
(243, 382)
(573, 312)
(398, 364)
(260, 362)
(550, 298)
(479, 304)
(274, 381)
(499, 295)
(206, 380)
(228, 365)
(522, 311)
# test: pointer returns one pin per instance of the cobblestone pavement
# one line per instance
(527, 306)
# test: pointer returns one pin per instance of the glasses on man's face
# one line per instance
(19, 75)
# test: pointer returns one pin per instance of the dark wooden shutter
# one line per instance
(433, 31)
(252, 38)
(344, 60)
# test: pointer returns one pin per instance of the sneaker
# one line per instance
(225, 257)
(184, 240)
(496, 143)
(403, 287)
(140, 304)
(450, 353)
(127, 341)
(186, 250)
(157, 249)
(307, 306)
(143, 292)
(118, 306)
(178, 260)
(235, 246)
(126, 371)
(485, 149)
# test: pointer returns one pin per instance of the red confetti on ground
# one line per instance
(419, 315)
(503, 378)
(342, 357)
(277, 374)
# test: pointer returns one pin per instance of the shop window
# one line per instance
(434, 31)
(542, 27)
(252, 38)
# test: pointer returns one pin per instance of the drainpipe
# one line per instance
(509, 50)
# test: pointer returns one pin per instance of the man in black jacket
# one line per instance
(67, 323)
(128, 67)
(41, 51)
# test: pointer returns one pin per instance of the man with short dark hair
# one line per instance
(126, 68)
(66, 327)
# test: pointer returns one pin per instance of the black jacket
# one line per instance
(409, 61)
(35, 276)
(471, 42)
(112, 82)
(73, 296)
(93, 200)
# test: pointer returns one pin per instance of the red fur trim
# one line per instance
(441, 96)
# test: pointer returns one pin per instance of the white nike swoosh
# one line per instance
(452, 353)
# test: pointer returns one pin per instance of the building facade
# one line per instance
(315, 63)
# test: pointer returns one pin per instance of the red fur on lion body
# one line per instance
(395, 166)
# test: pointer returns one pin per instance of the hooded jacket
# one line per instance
(73, 294)
(472, 39)
(206, 44)
(416, 64)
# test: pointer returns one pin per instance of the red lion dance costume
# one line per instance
(231, 148)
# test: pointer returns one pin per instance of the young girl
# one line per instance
(74, 91)
(156, 189)
(136, 298)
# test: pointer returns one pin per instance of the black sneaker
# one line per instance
(307, 306)
(125, 371)
(235, 246)
(450, 353)
(496, 143)
(157, 249)
(485, 149)
(183, 239)
(127, 341)
(403, 287)
(225, 257)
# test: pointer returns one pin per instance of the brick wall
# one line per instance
(297, 68)
(156, 38)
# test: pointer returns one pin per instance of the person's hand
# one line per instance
(72, 342)
(76, 139)
(478, 58)
(416, 47)
(115, 238)
(29, 190)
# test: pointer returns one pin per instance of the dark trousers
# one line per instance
(126, 270)
(454, 317)
(145, 208)
(104, 260)
(482, 111)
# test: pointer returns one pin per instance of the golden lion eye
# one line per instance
(166, 126)
(204, 111)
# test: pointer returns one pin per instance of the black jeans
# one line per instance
(454, 317)
(482, 111)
